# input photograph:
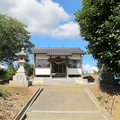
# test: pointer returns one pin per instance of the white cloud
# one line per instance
(69, 30)
(88, 68)
(42, 17)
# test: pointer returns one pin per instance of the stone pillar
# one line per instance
(104, 77)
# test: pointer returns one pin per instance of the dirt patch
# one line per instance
(14, 101)
(109, 98)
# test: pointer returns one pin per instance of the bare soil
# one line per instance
(110, 99)
(109, 94)
(15, 100)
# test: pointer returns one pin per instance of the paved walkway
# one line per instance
(63, 103)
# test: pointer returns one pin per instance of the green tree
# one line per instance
(99, 65)
(99, 22)
(96, 72)
(29, 69)
(8, 73)
(13, 36)
(2, 74)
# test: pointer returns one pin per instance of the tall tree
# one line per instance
(99, 22)
(29, 69)
(13, 36)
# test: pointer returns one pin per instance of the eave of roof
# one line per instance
(57, 51)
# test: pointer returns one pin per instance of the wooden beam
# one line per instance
(50, 67)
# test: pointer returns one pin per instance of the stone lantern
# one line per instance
(20, 78)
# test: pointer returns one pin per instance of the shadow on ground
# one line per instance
(111, 89)
(3, 82)
(90, 78)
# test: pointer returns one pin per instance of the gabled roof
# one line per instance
(57, 51)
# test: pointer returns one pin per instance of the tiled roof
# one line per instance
(57, 51)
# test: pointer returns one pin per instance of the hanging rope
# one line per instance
(58, 62)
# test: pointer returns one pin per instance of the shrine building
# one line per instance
(58, 62)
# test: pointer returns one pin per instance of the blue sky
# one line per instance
(51, 23)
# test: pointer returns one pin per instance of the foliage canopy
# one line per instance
(13, 36)
(99, 22)
(7, 74)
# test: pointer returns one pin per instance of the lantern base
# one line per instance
(20, 79)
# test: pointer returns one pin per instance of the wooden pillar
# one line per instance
(50, 67)
(67, 67)
(34, 64)
(81, 67)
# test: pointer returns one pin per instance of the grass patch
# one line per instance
(99, 97)
(4, 93)
(15, 90)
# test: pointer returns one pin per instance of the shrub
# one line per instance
(99, 97)
(106, 100)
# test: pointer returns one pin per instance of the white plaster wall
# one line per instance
(42, 71)
(74, 71)
(42, 56)
(75, 56)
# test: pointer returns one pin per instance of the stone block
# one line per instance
(105, 78)
(20, 77)
(81, 81)
(19, 83)
(37, 82)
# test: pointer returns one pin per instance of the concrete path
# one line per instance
(63, 103)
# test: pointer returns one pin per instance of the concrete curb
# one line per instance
(103, 112)
(23, 111)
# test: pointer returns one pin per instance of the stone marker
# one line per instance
(20, 78)
(105, 77)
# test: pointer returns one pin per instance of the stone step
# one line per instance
(59, 81)
(63, 88)
(63, 119)
(63, 116)
(59, 84)
(58, 78)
